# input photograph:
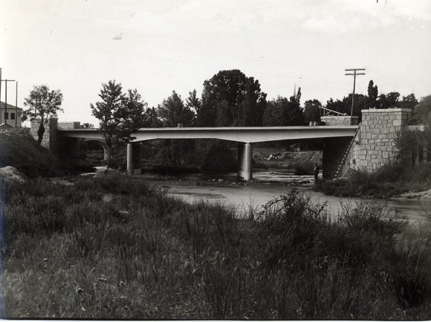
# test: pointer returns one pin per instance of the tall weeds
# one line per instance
(116, 248)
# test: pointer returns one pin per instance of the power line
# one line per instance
(354, 83)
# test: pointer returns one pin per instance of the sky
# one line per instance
(158, 46)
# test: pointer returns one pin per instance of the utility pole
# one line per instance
(354, 83)
(0, 90)
(16, 106)
(5, 98)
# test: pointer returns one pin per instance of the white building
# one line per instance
(10, 115)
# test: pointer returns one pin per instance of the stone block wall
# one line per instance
(340, 120)
(49, 139)
(376, 140)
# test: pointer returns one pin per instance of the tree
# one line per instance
(172, 112)
(389, 100)
(133, 112)
(373, 94)
(230, 98)
(284, 112)
(294, 114)
(312, 110)
(408, 101)
(344, 106)
(274, 112)
(119, 115)
(193, 102)
(422, 111)
(43, 104)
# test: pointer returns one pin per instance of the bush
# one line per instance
(420, 174)
(383, 183)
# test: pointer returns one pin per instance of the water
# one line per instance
(271, 184)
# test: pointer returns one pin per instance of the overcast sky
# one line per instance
(158, 46)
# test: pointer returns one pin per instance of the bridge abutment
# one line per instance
(245, 160)
(375, 143)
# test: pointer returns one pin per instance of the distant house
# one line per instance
(10, 115)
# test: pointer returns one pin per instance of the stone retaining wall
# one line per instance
(49, 139)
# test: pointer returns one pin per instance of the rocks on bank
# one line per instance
(10, 174)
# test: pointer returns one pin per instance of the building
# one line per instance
(11, 115)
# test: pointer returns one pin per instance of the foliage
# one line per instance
(403, 141)
(372, 100)
(284, 112)
(389, 100)
(388, 181)
(341, 106)
(373, 93)
(173, 111)
(114, 248)
(230, 98)
(193, 102)
(422, 111)
(87, 126)
(42, 105)
(345, 105)
(119, 115)
(219, 158)
(312, 110)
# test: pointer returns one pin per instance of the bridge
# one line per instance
(245, 136)
(346, 144)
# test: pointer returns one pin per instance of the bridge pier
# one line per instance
(245, 160)
(134, 158)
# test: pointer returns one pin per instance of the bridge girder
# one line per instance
(237, 134)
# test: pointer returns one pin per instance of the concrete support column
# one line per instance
(134, 157)
(245, 160)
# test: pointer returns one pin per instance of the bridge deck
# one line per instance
(237, 134)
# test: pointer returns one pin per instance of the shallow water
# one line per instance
(270, 185)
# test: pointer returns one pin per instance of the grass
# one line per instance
(388, 181)
(116, 248)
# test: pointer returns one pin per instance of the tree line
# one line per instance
(229, 98)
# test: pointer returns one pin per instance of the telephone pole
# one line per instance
(354, 83)
(16, 106)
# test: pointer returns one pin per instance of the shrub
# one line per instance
(288, 225)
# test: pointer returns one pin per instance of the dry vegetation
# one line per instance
(116, 248)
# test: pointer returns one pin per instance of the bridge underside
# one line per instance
(335, 138)
(333, 152)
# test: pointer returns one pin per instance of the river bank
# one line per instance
(267, 185)
(77, 254)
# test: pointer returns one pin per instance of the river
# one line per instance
(267, 185)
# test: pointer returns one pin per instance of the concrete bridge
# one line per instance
(346, 144)
(245, 136)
